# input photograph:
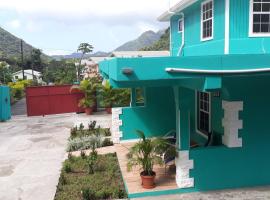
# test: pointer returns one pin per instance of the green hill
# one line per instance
(146, 39)
(10, 45)
(162, 44)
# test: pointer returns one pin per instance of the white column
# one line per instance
(232, 123)
(116, 123)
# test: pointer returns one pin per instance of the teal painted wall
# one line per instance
(219, 167)
(156, 118)
(240, 42)
(193, 44)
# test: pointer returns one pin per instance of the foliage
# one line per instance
(79, 183)
(107, 142)
(83, 48)
(146, 153)
(17, 88)
(67, 168)
(82, 143)
(5, 73)
(107, 95)
(122, 97)
(83, 155)
(89, 88)
(59, 72)
(162, 44)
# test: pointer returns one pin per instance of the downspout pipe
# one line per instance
(182, 15)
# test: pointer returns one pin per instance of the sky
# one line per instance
(59, 26)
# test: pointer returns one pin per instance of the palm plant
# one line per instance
(107, 95)
(147, 153)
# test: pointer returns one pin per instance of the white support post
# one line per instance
(232, 123)
(116, 123)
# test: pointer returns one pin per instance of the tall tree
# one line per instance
(5, 74)
(83, 48)
(36, 60)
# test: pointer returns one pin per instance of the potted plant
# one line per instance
(146, 153)
(107, 96)
(87, 104)
(89, 88)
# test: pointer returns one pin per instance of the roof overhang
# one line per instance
(191, 71)
(181, 5)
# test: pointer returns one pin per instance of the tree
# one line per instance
(83, 48)
(36, 60)
(5, 74)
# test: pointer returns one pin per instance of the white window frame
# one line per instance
(197, 114)
(251, 33)
(181, 20)
(202, 4)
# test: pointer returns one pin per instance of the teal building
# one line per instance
(213, 91)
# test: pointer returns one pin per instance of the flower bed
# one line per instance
(76, 183)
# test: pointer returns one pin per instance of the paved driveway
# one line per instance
(19, 108)
(31, 154)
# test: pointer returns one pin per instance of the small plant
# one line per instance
(92, 125)
(73, 132)
(92, 159)
(62, 179)
(107, 142)
(83, 155)
(70, 157)
(67, 167)
(81, 127)
(88, 194)
(107, 132)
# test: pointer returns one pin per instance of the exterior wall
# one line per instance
(240, 42)
(156, 118)
(220, 167)
(193, 44)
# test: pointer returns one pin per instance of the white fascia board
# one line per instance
(181, 5)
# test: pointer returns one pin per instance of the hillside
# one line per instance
(162, 44)
(146, 39)
(10, 45)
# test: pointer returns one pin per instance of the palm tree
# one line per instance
(83, 48)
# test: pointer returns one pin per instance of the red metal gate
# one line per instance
(47, 100)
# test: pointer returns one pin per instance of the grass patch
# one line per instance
(77, 184)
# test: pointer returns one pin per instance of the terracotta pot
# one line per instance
(148, 182)
(108, 110)
(88, 111)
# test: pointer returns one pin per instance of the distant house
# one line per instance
(91, 66)
(28, 75)
(132, 54)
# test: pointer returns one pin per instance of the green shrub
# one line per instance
(107, 132)
(107, 142)
(92, 125)
(67, 167)
(73, 132)
(88, 194)
(83, 155)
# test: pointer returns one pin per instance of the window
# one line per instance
(203, 112)
(180, 25)
(207, 16)
(16, 77)
(140, 96)
(259, 17)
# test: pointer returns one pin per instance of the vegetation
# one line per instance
(147, 152)
(84, 48)
(162, 44)
(82, 139)
(75, 182)
(59, 72)
(17, 89)
(107, 95)
(5, 73)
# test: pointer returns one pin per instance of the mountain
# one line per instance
(146, 39)
(162, 44)
(76, 55)
(10, 45)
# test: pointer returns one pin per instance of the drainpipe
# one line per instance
(183, 32)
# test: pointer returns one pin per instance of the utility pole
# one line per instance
(22, 66)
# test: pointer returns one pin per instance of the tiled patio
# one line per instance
(164, 181)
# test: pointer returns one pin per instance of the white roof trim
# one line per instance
(202, 71)
(181, 5)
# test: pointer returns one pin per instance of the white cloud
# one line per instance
(83, 11)
(15, 24)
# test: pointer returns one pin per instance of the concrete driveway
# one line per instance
(31, 154)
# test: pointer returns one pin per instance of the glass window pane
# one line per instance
(257, 7)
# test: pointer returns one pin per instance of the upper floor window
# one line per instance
(180, 25)
(207, 15)
(259, 18)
